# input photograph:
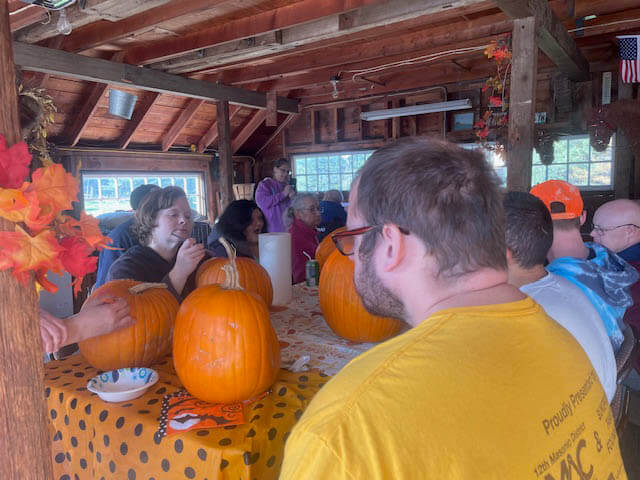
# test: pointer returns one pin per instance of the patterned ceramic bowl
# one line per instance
(122, 384)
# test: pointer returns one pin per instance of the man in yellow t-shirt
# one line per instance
(484, 384)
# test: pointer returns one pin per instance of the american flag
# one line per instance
(629, 59)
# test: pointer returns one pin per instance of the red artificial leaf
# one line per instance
(486, 87)
(14, 164)
(22, 252)
(76, 260)
(502, 54)
(484, 133)
(486, 115)
(495, 101)
(55, 187)
(480, 124)
(87, 228)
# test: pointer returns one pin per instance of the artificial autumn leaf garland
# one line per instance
(45, 239)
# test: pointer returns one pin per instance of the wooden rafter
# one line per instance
(281, 127)
(552, 37)
(304, 22)
(40, 59)
(27, 16)
(139, 114)
(211, 135)
(251, 126)
(177, 126)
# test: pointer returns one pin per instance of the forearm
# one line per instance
(178, 279)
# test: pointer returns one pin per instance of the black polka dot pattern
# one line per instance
(94, 439)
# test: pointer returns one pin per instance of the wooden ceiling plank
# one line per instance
(304, 22)
(177, 126)
(211, 135)
(139, 114)
(27, 16)
(248, 130)
(97, 34)
(552, 37)
(41, 59)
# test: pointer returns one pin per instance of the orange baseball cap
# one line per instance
(561, 198)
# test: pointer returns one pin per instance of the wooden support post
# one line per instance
(623, 155)
(224, 150)
(522, 101)
(24, 435)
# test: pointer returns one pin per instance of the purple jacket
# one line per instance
(271, 198)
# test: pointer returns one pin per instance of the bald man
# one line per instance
(616, 225)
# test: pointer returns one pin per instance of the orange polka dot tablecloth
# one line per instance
(93, 439)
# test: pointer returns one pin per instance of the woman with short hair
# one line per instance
(273, 195)
(302, 219)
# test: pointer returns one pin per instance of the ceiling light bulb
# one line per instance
(64, 25)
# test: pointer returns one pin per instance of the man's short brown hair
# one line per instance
(148, 211)
(448, 196)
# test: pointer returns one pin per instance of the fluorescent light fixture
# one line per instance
(416, 110)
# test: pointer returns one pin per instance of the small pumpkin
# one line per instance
(327, 247)
(142, 344)
(252, 276)
(224, 347)
(342, 308)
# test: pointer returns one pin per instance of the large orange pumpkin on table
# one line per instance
(142, 344)
(327, 247)
(343, 309)
(224, 347)
(252, 276)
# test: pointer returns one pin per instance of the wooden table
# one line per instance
(95, 439)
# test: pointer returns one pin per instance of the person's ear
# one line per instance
(509, 256)
(583, 217)
(393, 246)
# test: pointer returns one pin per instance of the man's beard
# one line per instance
(376, 298)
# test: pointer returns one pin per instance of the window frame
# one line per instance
(297, 155)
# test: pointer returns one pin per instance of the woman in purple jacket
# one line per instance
(274, 195)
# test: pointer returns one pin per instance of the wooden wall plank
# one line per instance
(180, 123)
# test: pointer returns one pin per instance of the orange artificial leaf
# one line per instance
(14, 164)
(490, 49)
(43, 282)
(55, 187)
(22, 252)
(486, 115)
(76, 260)
(87, 227)
(13, 204)
(501, 54)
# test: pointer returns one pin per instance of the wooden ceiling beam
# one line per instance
(602, 7)
(552, 37)
(139, 114)
(26, 16)
(98, 33)
(177, 126)
(41, 59)
(304, 22)
(343, 56)
(211, 135)
(252, 125)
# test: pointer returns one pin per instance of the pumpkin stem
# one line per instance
(232, 278)
(143, 287)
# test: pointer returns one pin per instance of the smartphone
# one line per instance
(293, 181)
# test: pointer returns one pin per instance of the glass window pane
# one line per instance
(579, 174)
(557, 172)
(334, 182)
(358, 161)
(323, 183)
(347, 178)
(90, 188)
(192, 186)
(166, 182)
(334, 164)
(323, 165)
(600, 174)
(605, 156)
(180, 182)
(301, 183)
(153, 181)
(536, 158)
(560, 151)
(345, 163)
(502, 173)
(579, 150)
(311, 165)
(299, 166)
(124, 187)
(137, 181)
(108, 187)
(538, 174)
(497, 159)
(312, 183)
(193, 202)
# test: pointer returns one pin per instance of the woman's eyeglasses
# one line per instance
(345, 241)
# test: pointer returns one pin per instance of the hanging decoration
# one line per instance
(46, 237)
(497, 114)
(36, 115)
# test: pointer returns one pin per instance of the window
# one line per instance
(495, 159)
(575, 161)
(327, 171)
(110, 192)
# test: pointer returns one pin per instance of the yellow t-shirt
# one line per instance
(492, 392)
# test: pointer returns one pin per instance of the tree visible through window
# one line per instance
(328, 171)
(110, 192)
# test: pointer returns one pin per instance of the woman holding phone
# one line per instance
(273, 195)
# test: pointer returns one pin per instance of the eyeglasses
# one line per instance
(602, 230)
(345, 241)
(313, 209)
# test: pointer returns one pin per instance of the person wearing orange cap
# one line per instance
(604, 277)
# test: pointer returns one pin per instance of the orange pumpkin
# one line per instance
(253, 277)
(327, 247)
(142, 344)
(224, 347)
(343, 309)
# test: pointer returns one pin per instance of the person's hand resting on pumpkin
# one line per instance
(99, 315)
